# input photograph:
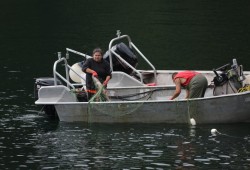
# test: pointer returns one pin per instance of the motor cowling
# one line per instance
(126, 53)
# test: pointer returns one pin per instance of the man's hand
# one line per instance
(105, 83)
(94, 74)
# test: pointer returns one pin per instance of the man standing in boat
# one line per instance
(98, 68)
(194, 83)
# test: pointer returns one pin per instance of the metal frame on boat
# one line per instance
(142, 96)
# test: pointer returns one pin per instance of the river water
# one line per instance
(175, 34)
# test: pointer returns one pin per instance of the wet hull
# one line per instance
(234, 108)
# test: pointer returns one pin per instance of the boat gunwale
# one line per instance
(147, 101)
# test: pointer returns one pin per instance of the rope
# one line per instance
(244, 89)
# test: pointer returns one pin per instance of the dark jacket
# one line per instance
(101, 68)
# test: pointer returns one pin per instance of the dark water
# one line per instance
(32, 142)
(196, 34)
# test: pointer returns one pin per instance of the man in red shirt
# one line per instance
(194, 83)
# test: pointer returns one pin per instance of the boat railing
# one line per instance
(149, 63)
(131, 45)
(57, 74)
(76, 52)
(110, 51)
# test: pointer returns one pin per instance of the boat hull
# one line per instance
(234, 108)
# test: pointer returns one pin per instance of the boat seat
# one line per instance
(121, 79)
(54, 94)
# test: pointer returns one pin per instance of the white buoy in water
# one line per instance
(192, 121)
(214, 131)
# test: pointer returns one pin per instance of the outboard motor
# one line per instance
(126, 53)
(46, 81)
(229, 80)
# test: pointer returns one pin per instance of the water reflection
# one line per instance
(134, 146)
(34, 142)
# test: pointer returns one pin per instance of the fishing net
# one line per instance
(101, 94)
(120, 103)
(115, 109)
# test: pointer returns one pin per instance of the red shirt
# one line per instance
(188, 75)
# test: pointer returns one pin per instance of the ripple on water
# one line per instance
(224, 156)
(81, 165)
(173, 147)
(188, 165)
(156, 151)
(202, 160)
(140, 153)
(149, 145)
(70, 155)
(161, 164)
(214, 159)
(138, 157)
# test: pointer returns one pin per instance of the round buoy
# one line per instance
(213, 131)
(192, 121)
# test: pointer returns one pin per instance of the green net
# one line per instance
(115, 109)
(124, 102)
(119, 104)
(101, 94)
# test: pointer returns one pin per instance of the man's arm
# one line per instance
(177, 89)
(187, 94)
